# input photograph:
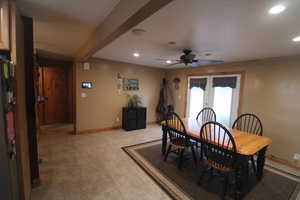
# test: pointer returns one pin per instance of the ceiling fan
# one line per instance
(189, 58)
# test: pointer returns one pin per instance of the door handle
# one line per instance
(41, 99)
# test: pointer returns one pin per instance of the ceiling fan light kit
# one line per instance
(189, 59)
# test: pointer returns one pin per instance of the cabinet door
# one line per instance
(4, 25)
(131, 114)
(141, 118)
(129, 119)
(9, 188)
(131, 124)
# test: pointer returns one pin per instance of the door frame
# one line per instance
(45, 61)
(32, 129)
(241, 92)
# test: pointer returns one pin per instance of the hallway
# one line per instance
(93, 166)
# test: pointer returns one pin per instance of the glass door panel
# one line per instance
(222, 104)
(196, 95)
(196, 101)
(224, 100)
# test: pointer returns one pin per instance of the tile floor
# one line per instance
(93, 166)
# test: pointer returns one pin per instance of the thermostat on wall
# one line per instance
(87, 85)
(86, 66)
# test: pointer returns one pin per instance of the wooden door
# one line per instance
(55, 86)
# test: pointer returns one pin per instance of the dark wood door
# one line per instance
(56, 92)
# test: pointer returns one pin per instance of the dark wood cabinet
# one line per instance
(134, 118)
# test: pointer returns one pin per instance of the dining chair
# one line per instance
(249, 123)
(207, 114)
(219, 150)
(179, 140)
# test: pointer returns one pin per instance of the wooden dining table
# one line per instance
(247, 144)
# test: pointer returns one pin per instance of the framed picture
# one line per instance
(130, 84)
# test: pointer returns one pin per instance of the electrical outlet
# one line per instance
(296, 157)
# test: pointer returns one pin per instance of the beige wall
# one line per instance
(271, 91)
(103, 103)
(17, 51)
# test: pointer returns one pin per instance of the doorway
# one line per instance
(220, 92)
(54, 87)
(55, 92)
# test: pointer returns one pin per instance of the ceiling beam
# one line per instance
(126, 15)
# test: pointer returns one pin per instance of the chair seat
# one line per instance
(180, 143)
(217, 166)
(218, 161)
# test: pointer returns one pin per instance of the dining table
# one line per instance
(247, 144)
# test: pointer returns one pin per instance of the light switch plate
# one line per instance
(83, 95)
(297, 157)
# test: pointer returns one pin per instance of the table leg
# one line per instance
(242, 172)
(260, 163)
(164, 140)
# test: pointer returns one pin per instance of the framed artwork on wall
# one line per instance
(130, 84)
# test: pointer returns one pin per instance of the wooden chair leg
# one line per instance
(180, 158)
(194, 156)
(225, 186)
(253, 164)
(202, 173)
(168, 151)
(211, 172)
(201, 152)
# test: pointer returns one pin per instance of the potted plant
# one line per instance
(134, 101)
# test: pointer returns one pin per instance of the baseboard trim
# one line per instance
(97, 130)
(152, 123)
(283, 161)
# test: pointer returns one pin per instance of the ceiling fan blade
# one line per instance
(163, 59)
(207, 61)
(195, 64)
(174, 64)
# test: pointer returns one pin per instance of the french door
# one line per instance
(220, 92)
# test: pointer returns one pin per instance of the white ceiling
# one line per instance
(232, 30)
(62, 26)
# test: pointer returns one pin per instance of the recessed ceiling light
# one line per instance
(277, 9)
(138, 31)
(136, 54)
(296, 39)
(169, 61)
